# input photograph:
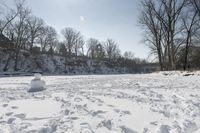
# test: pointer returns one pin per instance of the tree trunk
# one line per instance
(16, 61)
(186, 52)
(7, 62)
(173, 65)
(69, 54)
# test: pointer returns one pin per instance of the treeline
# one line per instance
(172, 32)
(28, 33)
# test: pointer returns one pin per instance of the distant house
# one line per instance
(5, 43)
(150, 67)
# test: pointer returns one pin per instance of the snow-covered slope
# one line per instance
(149, 103)
(48, 64)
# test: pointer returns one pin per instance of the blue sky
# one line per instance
(101, 19)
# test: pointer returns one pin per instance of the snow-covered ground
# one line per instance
(149, 103)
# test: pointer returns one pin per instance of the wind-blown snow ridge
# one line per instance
(149, 103)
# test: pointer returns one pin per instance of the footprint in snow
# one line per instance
(85, 128)
(14, 107)
(11, 120)
(9, 113)
(5, 105)
(95, 113)
(189, 126)
(109, 105)
(84, 125)
(25, 125)
(77, 99)
(122, 112)
(164, 129)
(67, 112)
(21, 116)
(106, 123)
(74, 118)
(127, 130)
(155, 123)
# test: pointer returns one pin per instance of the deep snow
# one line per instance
(147, 103)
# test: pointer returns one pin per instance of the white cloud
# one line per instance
(82, 19)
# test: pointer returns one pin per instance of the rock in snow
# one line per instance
(37, 84)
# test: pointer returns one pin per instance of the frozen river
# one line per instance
(146, 103)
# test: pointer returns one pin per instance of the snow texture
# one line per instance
(165, 102)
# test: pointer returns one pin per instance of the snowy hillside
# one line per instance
(149, 103)
(48, 64)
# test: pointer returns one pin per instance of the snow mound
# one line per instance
(37, 84)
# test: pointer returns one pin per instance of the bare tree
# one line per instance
(20, 30)
(163, 17)
(128, 55)
(35, 26)
(99, 51)
(196, 5)
(7, 17)
(91, 45)
(112, 50)
(62, 50)
(52, 38)
(71, 39)
(190, 23)
(153, 29)
(95, 49)
(47, 38)
(2, 4)
(170, 21)
(78, 47)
